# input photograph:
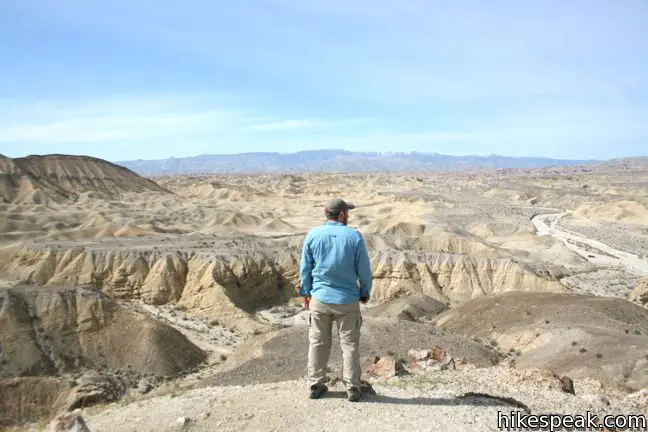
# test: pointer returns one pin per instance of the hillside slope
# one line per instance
(579, 335)
(60, 178)
(46, 331)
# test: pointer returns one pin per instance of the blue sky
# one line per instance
(145, 79)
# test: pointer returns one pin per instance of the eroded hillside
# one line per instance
(64, 178)
(210, 254)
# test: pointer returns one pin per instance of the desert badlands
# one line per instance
(171, 303)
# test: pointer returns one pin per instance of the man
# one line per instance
(335, 277)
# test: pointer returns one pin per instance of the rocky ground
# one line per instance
(465, 399)
(602, 282)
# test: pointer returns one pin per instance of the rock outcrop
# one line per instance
(230, 283)
(640, 293)
(94, 388)
(68, 422)
(453, 278)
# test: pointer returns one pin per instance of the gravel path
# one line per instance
(432, 403)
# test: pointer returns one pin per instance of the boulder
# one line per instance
(431, 359)
(93, 389)
(68, 422)
(386, 367)
(567, 384)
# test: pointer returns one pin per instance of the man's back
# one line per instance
(334, 258)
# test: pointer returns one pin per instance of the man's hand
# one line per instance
(364, 299)
(307, 302)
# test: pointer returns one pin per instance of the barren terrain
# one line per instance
(217, 258)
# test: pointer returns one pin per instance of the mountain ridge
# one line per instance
(336, 160)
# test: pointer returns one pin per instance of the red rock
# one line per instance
(386, 367)
(437, 354)
(413, 364)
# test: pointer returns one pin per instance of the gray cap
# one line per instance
(337, 205)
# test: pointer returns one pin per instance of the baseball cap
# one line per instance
(337, 205)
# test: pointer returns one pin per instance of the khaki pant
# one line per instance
(348, 320)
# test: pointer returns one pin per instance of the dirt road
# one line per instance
(594, 251)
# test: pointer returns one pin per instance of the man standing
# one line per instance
(335, 277)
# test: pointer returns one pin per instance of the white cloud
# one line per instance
(124, 119)
(107, 128)
(282, 125)
(268, 125)
(114, 119)
(491, 75)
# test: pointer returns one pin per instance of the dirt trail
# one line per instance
(594, 251)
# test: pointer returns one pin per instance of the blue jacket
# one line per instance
(335, 266)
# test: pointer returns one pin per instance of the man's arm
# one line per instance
(363, 268)
(305, 270)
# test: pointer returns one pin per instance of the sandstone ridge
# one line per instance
(232, 284)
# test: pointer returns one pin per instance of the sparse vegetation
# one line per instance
(424, 380)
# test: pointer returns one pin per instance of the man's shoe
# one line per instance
(317, 390)
(353, 394)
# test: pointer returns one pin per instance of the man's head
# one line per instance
(338, 210)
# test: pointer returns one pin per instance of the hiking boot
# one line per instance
(317, 390)
(353, 394)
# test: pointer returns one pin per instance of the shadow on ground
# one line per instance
(468, 399)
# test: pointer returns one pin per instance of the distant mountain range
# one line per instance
(336, 161)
